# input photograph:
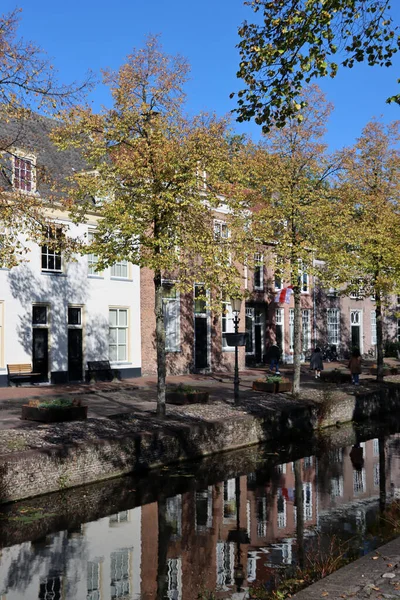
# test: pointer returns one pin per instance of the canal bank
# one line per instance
(38, 459)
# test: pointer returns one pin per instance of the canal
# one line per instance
(238, 521)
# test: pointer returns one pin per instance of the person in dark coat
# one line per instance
(274, 356)
(355, 366)
(316, 363)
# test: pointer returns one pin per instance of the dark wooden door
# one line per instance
(201, 343)
(75, 355)
(40, 352)
(355, 336)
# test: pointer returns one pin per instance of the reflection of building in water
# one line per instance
(208, 538)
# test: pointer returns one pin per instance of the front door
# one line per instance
(75, 355)
(258, 336)
(355, 322)
(201, 348)
(40, 352)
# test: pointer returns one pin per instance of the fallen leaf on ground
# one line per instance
(375, 557)
(389, 565)
(325, 594)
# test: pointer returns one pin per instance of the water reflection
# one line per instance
(223, 536)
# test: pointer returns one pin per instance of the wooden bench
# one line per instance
(100, 369)
(19, 373)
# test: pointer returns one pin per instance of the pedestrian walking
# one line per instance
(273, 357)
(355, 366)
(316, 363)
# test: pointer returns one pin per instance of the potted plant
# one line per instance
(273, 384)
(185, 394)
(53, 411)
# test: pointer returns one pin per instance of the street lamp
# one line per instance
(236, 304)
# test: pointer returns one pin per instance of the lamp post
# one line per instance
(236, 304)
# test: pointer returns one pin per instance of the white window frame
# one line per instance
(227, 325)
(291, 329)
(281, 515)
(92, 259)
(305, 329)
(119, 264)
(173, 328)
(373, 327)
(27, 158)
(333, 326)
(119, 327)
(280, 320)
(305, 283)
(258, 269)
(221, 230)
(48, 253)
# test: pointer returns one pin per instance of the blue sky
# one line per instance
(88, 34)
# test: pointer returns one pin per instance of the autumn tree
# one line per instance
(367, 258)
(28, 84)
(293, 42)
(295, 209)
(157, 177)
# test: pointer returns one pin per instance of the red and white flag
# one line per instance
(284, 295)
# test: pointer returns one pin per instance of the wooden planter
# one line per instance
(53, 414)
(336, 376)
(272, 388)
(187, 397)
(386, 371)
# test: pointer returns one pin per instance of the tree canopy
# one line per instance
(293, 42)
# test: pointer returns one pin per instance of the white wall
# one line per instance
(26, 284)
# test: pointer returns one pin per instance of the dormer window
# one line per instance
(23, 176)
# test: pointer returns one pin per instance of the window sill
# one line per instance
(258, 289)
(120, 278)
(120, 363)
(91, 276)
(173, 351)
(54, 273)
(232, 349)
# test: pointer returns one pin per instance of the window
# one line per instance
(174, 578)
(121, 517)
(221, 230)
(173, 515)
(225, 564)
(23, 176)
(307, 499)
(39, 315)
(258, 271)
(120, 269)
(333, 324)
(74, 315)
(51, 257)
(281, 507)
(359, 481)
(305, 286)
(291, 329)
(306, 329)
(118, 334)
(279, 328)
(93, 581)
(50, 588)
(92, 259)
(204, 509)
(262, 517)
(337, 487)
(171, 309)
(373, 328)
(376, 475)
(278, 282)
(227, 324)
(120, 562)
(229, 500)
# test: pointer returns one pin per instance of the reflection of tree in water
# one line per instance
(57, 554)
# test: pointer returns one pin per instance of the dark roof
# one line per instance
(32, 136)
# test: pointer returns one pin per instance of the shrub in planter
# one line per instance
(54, 411)
(273, 384)
(185, 394)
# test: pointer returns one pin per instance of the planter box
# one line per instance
(386, 371)
(235, 339)
(272, 388)
(53, 414)
(187, 397)
(336, 376)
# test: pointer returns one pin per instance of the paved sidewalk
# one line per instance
(139, 394)
(375, 576)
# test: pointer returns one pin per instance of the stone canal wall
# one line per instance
(85, 452)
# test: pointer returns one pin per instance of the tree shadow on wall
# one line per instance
(57, 291)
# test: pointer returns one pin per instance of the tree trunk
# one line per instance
(379, 336)
(297, 340)
(382, 474)
(160, 344)
(164, 537)
(298, 495)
